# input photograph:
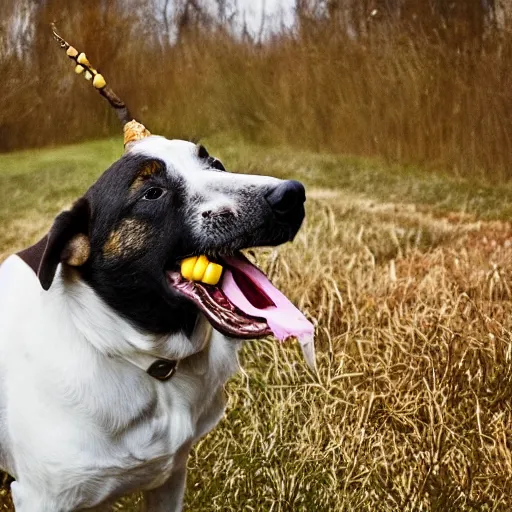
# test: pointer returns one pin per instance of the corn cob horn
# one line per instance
(133, 130)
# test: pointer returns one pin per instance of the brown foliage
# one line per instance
(426, 88)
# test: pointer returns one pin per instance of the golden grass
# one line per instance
(412, 407)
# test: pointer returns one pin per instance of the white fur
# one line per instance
(181, 157)
(212, 190)
(79, 424)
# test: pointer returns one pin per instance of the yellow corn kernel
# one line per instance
(72, 52)
(99, 81)
(200, 268)
(79, 69)
(82, 59)
(187, 267)
(212, 273)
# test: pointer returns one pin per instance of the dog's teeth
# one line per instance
(79, 69)
(201, 269)
(212, 274)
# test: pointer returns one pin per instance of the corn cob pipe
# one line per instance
(199, 268)
(84, 67)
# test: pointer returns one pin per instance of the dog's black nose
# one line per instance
(286, 197)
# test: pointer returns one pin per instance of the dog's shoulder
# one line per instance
(15, 270)
(19, 293)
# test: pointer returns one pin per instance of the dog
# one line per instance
(112, 362)
(110, 370)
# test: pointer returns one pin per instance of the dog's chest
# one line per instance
(186, 411)
(157, 440)
(77, 429)
(96, 462)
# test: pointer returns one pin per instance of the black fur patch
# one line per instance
(202, 152)
(33, 255)
(65, 227)
(213, 163)
(132, 279)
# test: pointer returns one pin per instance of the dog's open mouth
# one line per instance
(245, 304)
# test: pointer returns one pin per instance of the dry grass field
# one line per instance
(407, 277)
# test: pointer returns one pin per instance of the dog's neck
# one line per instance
(91, 316)
(114, 336)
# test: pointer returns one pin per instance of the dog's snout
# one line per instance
(286, 197)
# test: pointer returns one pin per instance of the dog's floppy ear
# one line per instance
(68, 242)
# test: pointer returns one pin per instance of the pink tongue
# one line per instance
(284, 319)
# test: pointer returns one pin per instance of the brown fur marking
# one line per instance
(128, 239)
(77, 251)
(144, 174)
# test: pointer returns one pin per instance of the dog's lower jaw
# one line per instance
(85, 427)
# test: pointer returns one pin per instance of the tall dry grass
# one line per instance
(405, 90)
(412, 407)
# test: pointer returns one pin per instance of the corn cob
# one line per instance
(199, 268)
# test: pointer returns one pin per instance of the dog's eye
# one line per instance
(216, 164)
(153, 193)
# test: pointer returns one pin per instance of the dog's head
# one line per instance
(163, 201)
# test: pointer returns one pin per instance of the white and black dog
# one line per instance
(112, 365)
